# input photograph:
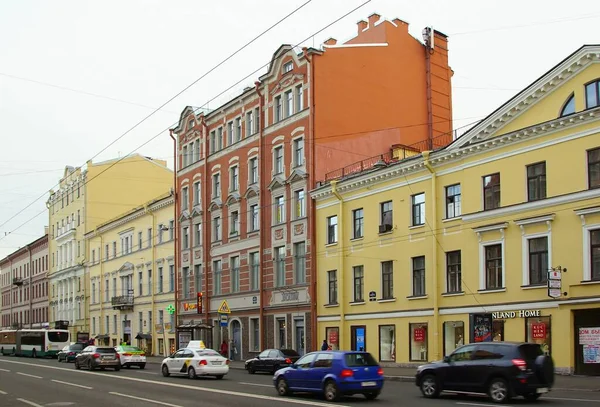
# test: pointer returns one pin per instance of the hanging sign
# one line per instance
(555, 282)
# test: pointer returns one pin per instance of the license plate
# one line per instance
(542, 390)
(216, 363)
(108, 358)
(366, 384)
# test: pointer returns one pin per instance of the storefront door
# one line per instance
(236, 334)
(587, 342)
(299, 336)
(358, 336)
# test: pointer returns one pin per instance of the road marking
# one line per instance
(73, 384)
(3, 392)
(480, 404)
(30, 375)
(5, 370)
(568, 399)
(31, 403)
(257, 384)
(154, 373)
(143, 399)
(184, 386)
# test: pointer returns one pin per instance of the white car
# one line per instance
(195, 362)
(131, 356)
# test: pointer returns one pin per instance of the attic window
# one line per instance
(592, 94)
(569, 106)
(191, 123)
(288, 67)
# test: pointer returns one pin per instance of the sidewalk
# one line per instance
(407, 374)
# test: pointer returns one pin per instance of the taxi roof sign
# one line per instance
(224, 308)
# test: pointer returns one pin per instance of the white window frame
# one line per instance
(587, 255)
(214, 234)
(295, 163)
(482, 271)
(276, 331)
(525, 237)
(279, 146)
(252, 201)
(276, 206)
(197, 190)
(251, 340)
(216, 192)
(234, 186)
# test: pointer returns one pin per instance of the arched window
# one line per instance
(569, 106)
(592, 94)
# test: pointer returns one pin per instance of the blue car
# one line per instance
(333, 374)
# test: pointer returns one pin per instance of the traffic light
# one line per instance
(199, 303)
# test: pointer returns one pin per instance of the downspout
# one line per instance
(153, 255)
(101, 283)
(29, 289)
(206, 230)
(433, 226)
(340, 277)
(429, 100)
(176, 237)
(10, 319)
(261, 224)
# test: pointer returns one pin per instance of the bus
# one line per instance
(33, 342)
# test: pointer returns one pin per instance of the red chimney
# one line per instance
(362, 25)
(373, 18)
(331, 41)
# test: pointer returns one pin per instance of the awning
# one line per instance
(143, 336)
(194, 326)
(102, 336)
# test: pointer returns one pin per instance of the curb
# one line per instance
(405, 379)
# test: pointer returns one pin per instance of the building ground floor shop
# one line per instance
(567, 330)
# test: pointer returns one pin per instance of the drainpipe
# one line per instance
(340, 275)
(433, 226)
(101, 283)
(261, 204)
(206, 230)
(10, 318)
(29, 288)
(429, 100)
(153, 256)
(176, 238)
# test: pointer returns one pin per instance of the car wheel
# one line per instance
(143, 366)
(498, 390)
(90, 367)
(282, 387)
(372, 395)
(77, 367)
(219, 376)
(117, 368)
(128, 366)
(250, 370)
(331, 391)
(191, 373)
(429, 387)
(34, 353)
(165, 371)
(532, 396)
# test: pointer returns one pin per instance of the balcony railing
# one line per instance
(122, 302)
(17, 280)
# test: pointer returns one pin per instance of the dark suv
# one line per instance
(500, 369)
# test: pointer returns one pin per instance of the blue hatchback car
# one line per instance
(333, 374)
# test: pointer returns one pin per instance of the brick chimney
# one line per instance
(362, 25)
(373, 18)
(330, 41)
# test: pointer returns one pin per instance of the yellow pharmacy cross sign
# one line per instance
(224, 308)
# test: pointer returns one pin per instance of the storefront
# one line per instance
(587, 341)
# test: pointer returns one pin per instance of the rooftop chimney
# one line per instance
(362, 25)
(373, 18)
(331, 41)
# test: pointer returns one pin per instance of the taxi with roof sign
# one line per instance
(131, 356)
(195, 361)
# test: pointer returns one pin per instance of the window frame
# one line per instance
(358, 223)
(387, 276)
(358, 283)
(595, 82)
(278, 164)
(539, 253)
(451, 199)
(453, 271)
(332, 290)
(494, 189)
(332, 230)
(418, 272)
(596, 165)
(488, 261)
(538, 180)
(417, 209)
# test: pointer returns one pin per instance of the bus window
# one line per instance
(54, 336)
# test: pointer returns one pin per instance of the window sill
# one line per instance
(452, 219)
(533, 286)
(331, 305)
(331, 244)
(357, 303)
(389, 232)
(490, 291)
(417, 297)
(357, 239)
(416, 226)
(453, 294)
(589, 282)
(252, 233)
(381, 301)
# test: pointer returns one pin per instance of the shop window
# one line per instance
(358, 338)
(538, 330)
(454, 336)
(333, 337)
(498, 330)
(418, 342)
(387, 343)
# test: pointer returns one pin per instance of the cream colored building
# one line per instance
(132, 277)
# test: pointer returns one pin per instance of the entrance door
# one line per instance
(236, 334)
(299, 336)
(358, 337)
(587, 326)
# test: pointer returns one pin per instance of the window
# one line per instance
(418, 342)
(300, 204)
(332, 281)
(358, 223)
(234, 178)
(235, 222)
(93, 293)
(140, 243)
(281, 343)
(359, 279)
(78, 217)
(418, 209)
(160, 233)
(280, 266)
(387, 218)
(198, 277)
(254, 217)
(234, 267)
(418, 271)
(216, 185)
(279, 209)
(289, 103)
(299, 98)
(593, 157)
(256, 120)
(277, 109)
(186, 238)
(114, 287)
(298, 152)
(278, 160)
(288, 67)
(536, 181)
(184, 158)
(453, 203)
(160, 280)
(300, 262)
(249, 124)
(387, 280)
(229, 133)
(323, 360)
(114, 247)
(213, 142)
(219, 138)
(491, 191)
(254, 270)
(387, 343)
(538, 260)
(253, 171)
(171, 229)
(332, 236)
(171, 278)
(493, 267)
(217, 229)
(197, 193)
(140, 283)
(539, 331)
(106, 291)
(454, 334)
(568, 107)
(197, 234)
(149, 237)
(217, 277)
(150, 282)
(114, 324)
(453, 272)
(254, 335)
(592, 94)
(238, 129)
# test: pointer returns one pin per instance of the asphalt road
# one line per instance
(40, 382)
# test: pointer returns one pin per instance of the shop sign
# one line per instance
(333, 337)
(591, 354)
(419, 334)
(555, 282)
(538, 331)
(189, 306)
(517, 314)
(589, 336)
(480, 327)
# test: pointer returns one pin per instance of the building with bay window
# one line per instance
(493, 237)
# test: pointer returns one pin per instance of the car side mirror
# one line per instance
(257, 356)
(294, 366)
(446, 359)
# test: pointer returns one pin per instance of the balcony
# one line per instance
(122, 302)
(65, 233)
(18, 281)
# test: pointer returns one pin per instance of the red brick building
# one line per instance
(244, 170)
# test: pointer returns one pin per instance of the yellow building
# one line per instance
(132, 278)
(420, 255)
(87, 197)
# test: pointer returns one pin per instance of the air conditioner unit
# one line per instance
(386, 227)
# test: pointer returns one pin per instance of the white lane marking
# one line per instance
(480, 404)
(5, 370)
(183, 386)
(3, 392)
(568, 399)
(257, 384)
(31, 403)
(73, 384)
(142, 399)
(30, 375)
(154, 373)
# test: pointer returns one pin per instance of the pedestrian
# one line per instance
(231, 349)
(325, 346)
(224, 348)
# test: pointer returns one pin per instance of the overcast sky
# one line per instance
(75, 75)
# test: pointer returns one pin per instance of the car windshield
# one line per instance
(359, 359)
(289, 352)
(106, 350)
(530, 351)
(207, 352)
(130, 349)
(77, 346)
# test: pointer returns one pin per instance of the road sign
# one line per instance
(224, 308)
(170, 309)
(223, 318)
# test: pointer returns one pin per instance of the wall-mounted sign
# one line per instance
(538, 331)
(419, 334)
(372, 296)
(189, 306)
(517, 314)
(290, 296)
(589, 336)
(555, 282)
(480, 327)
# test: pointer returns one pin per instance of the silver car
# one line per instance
(101, 357)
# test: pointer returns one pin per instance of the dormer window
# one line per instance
(569, 107)
(288, 67)
(592, 94)
(190, 124)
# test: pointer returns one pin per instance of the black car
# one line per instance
(500, 369)
(69, 352)
(271, 360)
(101, 357)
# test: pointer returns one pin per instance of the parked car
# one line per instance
(69, 352)
(271, 360)
(101, 357)
(194, 363)
(131, 356)
(501, 369)
(333, 374)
